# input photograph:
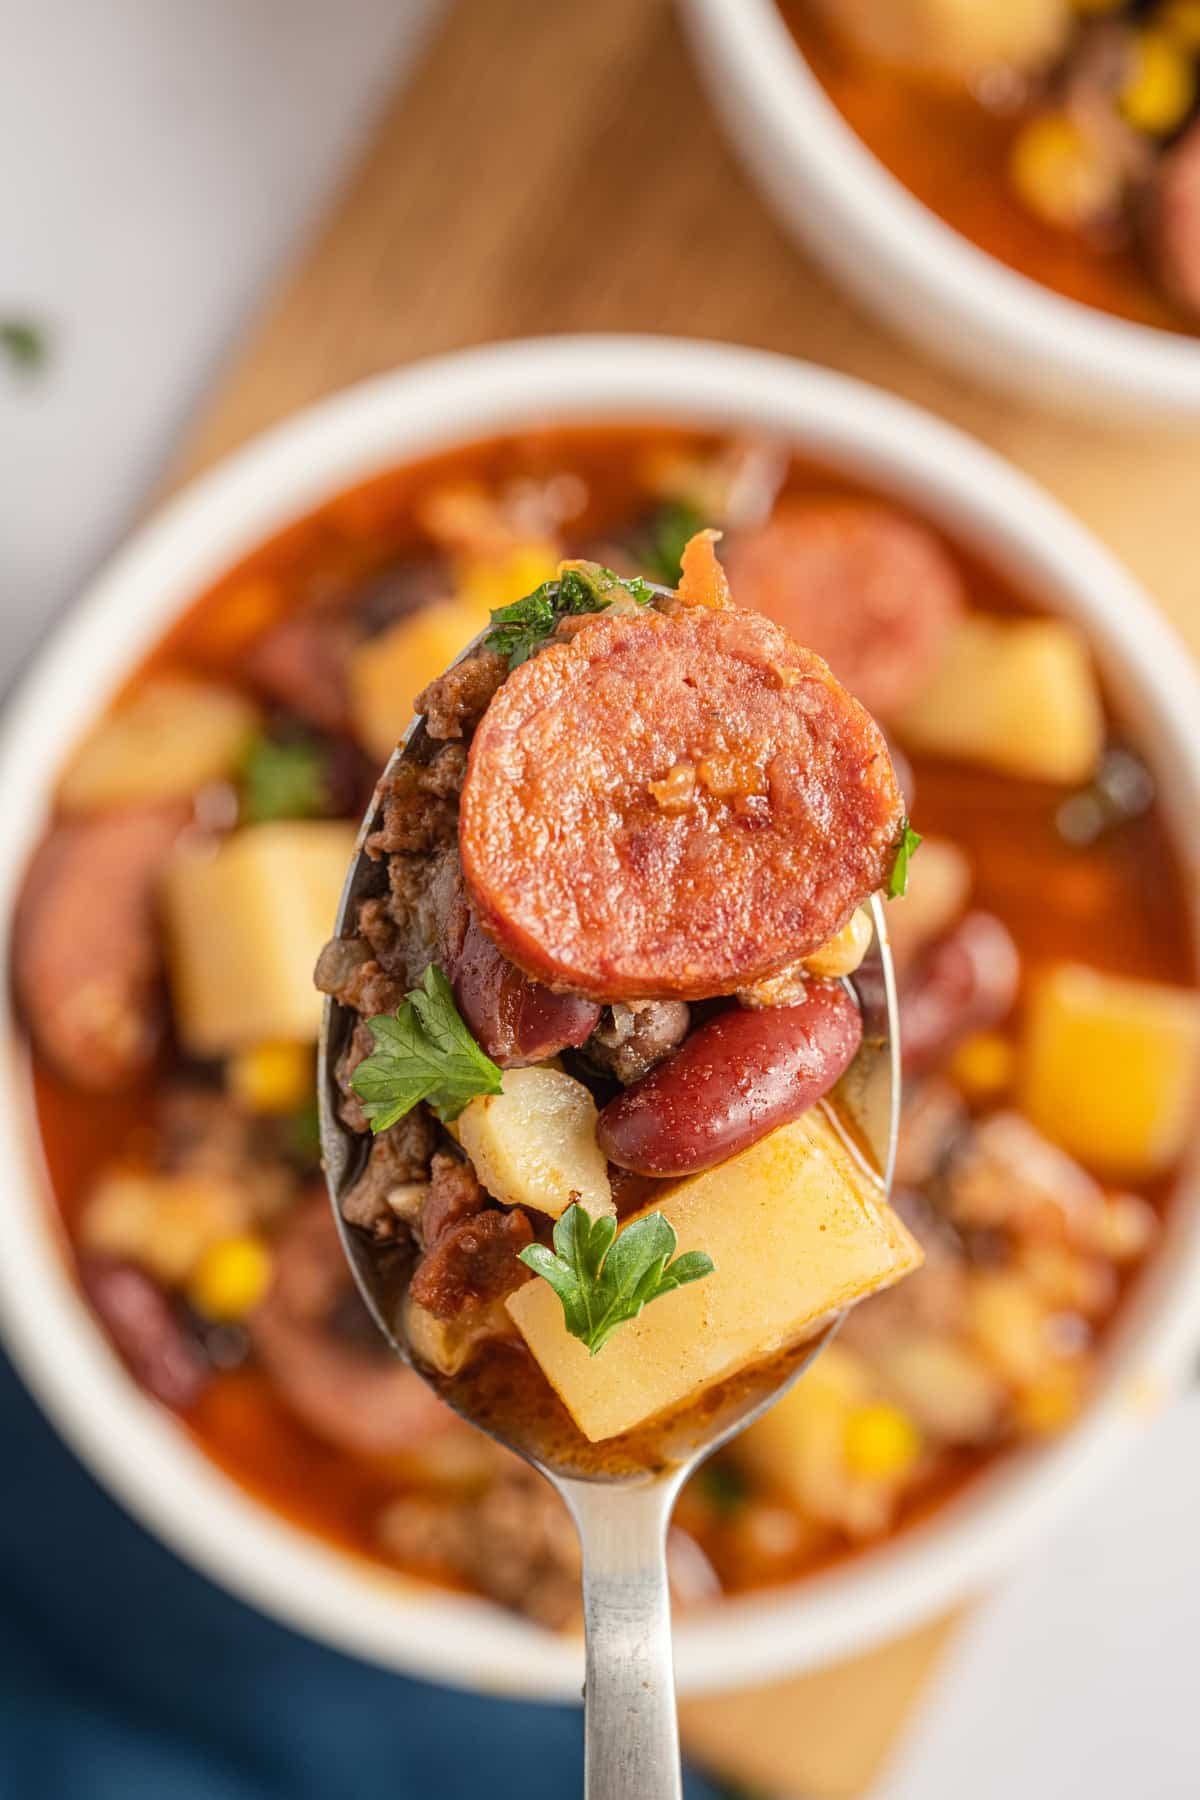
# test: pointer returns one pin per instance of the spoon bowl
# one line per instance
(622, 1494)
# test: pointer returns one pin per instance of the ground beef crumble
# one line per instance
(454, 704)
(514, 1542)
(399, 1157)
(473, 1264)
(455, 1193)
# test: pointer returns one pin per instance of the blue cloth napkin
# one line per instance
(125, 1676)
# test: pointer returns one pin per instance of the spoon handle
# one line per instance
(630, 1728)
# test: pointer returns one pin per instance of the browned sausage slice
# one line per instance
(87, 961)
(673, 805)
(354, 1395)
(869, 590)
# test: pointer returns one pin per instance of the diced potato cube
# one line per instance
(954, 40)
(164, 1222)
(535, 1145)
(171, 737)
(245, 923)
(798, 1231)
(385, 675)
(948, 1389)
(1018, 695)
(1111, 1067)
(798, 1448)
(939, 880)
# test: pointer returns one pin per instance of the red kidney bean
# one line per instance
(732, 1081)
(141, 1323)
(515, 1020)
(963, 982)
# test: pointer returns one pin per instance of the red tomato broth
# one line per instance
(1117, 905)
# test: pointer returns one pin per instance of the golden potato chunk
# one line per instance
(1110, 1068)
(385, 675)
(1017, 695)
(171, 737)
(163, 1222)
(534, 1144)
(245, 923)
(798, 1230)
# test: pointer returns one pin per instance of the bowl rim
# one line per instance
(137, 1449)
(899, 255)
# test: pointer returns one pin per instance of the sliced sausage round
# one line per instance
(87, 957)
(673, 805)
(735, 1079)
(351, 1394)
(869, 590)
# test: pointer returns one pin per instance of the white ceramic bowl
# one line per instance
(900, 260)
(133, 1445)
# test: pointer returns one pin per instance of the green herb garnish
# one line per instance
(25, 344)
(283, 781)
(422, 1052)
(601, 1283)
(520, 629)
(897, 884)
(670, 529)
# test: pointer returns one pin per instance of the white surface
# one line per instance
(159, 156)
(902, 261)
(993, 511)
(158, 159)
(1078, 1681)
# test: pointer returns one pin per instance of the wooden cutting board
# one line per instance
(554, 167)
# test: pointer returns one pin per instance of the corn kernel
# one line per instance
(231, 1278)
(1060, 174)
(499, 580)
(1160, 92)
(881, 1442)
(984, 1065)
(1051, 1404)
(271, 1078)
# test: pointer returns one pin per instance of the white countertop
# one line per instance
(161, 156)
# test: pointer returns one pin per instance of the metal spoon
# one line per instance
(622, 1512)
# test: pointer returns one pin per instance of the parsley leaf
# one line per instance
(25, 344)
(602, 1283)
(422, 1052)
(283, 781)
(670, 529)
(519, 629)
(897, 883)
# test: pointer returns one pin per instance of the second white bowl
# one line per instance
(901, 261)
